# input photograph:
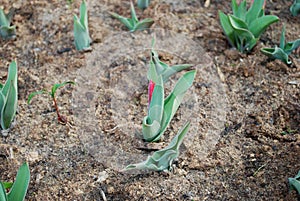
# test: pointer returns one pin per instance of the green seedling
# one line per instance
(295, 8)
(19, 188)
(162, 159)
(160, 110)
(133, 24)
(81, 29)
(244, 28)
(9, 97)
(6, 30)
(60, 118)
(294, 183)
(283, 51)
(143, 4)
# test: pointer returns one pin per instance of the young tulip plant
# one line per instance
(294, 183)
(18, 188)
(133, 24)
(162, 160)
(295, 8)
(283, 51)
(244, 28)
(60, 118)
(160, 110)
(9, 97)
(6, 30)
(81, 29)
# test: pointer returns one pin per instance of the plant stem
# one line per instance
(60, 118)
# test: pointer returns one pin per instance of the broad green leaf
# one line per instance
(143, 4)
(163, 159)
(133, 14)
(239, 10)
(282, 38)
(144, 24)
(20, 186)
(2, 101)
(227, 28)
(259, 25)
(56, 86)
(12, 76)
(4, 20)
(290, 46)
(174, 69)
(3, 196)
(83, 15)
(9, 110)
(33, 94)
(295, 8)
(237, 23)
(254, 11)
(276, 53)
(294, 183)
(8, 32)
(126, 21)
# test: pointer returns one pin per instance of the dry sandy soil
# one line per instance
(244, 141)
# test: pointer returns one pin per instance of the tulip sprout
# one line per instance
(160, 110)
(283, 51)
(60, 118)
(81, 29)
(133, 24)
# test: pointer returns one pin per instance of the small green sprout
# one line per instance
(244, 28)
(7, 31)
(19, 188)
(81, 29)
(283, 51)
(162, 159)
(133, 24)
(294, 183)
(295, 8)
(60, 118)
(143, 4)
(9, 96)
(160, 110)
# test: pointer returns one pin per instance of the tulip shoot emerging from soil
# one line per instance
(60, 118)
(9, 96)
(81, 29)
(162, 159)
(19, 188)
(295, 8)
(295, 183)
(160, 110)
(133, 24)
(244, 28)
(283, 51)
(6, 31)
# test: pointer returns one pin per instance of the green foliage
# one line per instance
(9, 96)
(160, 110)
(162, 159)
(283, 51)
(133, 24)
(81, 29)
(295, 8)
(294, 183)
(52, 94)
(143, 4)
(19, 188)
(244, 28)
(6, 31)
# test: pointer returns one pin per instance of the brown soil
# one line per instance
(244, 142)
